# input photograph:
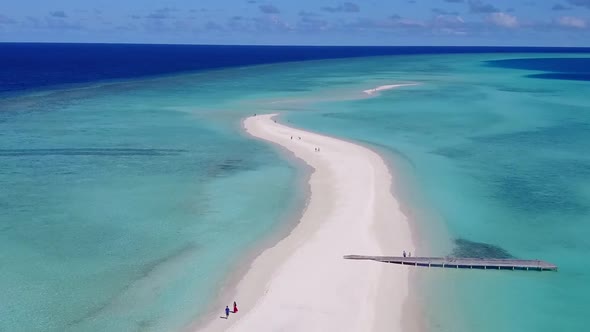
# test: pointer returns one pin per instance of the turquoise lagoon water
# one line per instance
(126, 205)
(501, 160)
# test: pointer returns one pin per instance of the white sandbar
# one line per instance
(303, 283)
(386, 87)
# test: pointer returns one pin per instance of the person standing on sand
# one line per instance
(226, 312)
(235, 307)
(404, 253)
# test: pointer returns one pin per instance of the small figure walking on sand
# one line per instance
(404, 253)
(409, 254)
(226, 312)
(299, 137)
(291, 137)
(235, 307)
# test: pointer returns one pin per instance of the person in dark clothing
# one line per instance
(226, 312)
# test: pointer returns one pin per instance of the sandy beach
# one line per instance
(303, 283)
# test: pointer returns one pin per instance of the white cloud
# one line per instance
(504, 20)
(410, 23)
(571, 22)
(448, 20)
(448, 25)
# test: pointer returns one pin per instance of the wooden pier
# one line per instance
(463, 263)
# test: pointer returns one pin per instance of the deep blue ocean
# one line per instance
(25, 66)
(129, 192)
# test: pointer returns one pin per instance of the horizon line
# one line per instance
(297, 45)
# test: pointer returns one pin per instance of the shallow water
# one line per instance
(125, 205)
(500, 158)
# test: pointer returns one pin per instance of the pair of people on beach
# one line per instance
(227, 311)
(409, 254)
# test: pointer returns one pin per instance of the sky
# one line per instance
(300, 22)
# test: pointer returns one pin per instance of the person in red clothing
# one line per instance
(235, 307)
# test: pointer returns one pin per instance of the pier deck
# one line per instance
(463, 263)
